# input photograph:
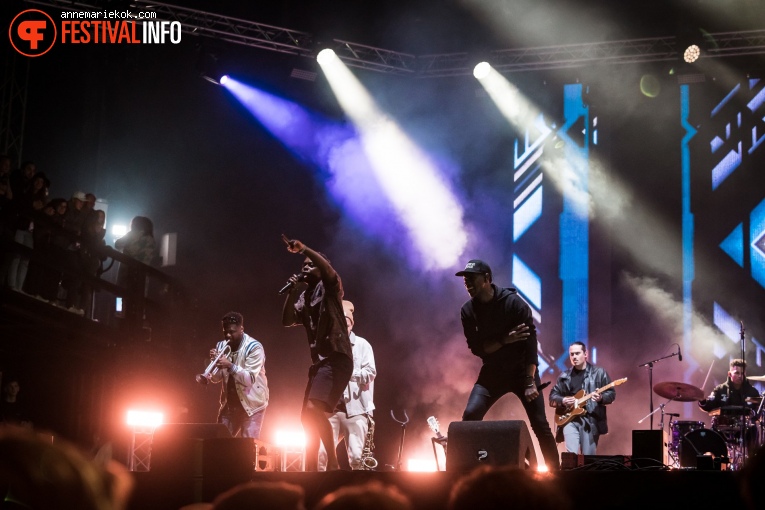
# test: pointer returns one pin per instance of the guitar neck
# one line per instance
(596, 392)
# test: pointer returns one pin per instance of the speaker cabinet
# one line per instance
(497, 443)
(648, 448)
(203, 456)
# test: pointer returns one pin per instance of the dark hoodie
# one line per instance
(493, 320)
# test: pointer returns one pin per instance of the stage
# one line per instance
(605, 486)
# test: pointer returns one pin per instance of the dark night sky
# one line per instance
(140, 129)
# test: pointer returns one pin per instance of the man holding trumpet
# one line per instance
(238, 362)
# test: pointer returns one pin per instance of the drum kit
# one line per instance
(687, 440)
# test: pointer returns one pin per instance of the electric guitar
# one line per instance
(433, 424)
(563, 416)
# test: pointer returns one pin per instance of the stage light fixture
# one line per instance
(209, 65)
(421, 466)
(326, 56)
(290, 438)
(692, 53)
(694, 43)
(481, 70)
(119, 230)
(144, 419)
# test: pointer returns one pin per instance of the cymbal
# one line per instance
(678, 391)
(759, 378)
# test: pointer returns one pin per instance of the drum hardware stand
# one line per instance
(759, 415)
(673, 452)
(650, 364)
(740, 456)
(667, 444)
(403, 423)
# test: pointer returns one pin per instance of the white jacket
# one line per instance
(249, 374)
(359, 393)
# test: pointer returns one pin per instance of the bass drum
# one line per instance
(701, 442)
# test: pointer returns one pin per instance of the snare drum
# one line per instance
(730, 423)
(731, 418)
(680, 429)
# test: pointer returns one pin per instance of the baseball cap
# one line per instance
(79, 195)
(475, 266)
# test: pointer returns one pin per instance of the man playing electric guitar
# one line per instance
(581, 432)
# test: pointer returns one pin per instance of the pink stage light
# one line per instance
(144, 419)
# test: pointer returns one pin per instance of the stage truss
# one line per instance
(294, 42)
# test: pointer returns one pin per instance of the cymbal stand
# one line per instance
(650, 364)
(744, 424)
(760, 418)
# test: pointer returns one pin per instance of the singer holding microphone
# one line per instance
(242, 373)
(315, 302)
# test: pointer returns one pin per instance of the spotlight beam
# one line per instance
(412, 183)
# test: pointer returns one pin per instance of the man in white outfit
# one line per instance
(352, 415)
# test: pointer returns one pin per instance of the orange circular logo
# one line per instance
(32, 33)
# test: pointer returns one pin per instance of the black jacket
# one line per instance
(725, 395)
(594, 377)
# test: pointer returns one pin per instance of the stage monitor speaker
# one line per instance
(497, 443)
(647, 448)
(202, 468)
(200, 450)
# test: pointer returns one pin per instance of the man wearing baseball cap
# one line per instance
(500, 330)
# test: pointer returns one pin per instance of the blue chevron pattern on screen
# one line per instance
(733, 245)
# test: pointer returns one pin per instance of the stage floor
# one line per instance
(599, 488)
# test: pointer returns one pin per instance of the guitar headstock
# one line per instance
(433, 424)
(620, 381)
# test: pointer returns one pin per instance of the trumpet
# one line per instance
(211, 369)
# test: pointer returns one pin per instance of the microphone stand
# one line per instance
(742, 438)
(650, 364)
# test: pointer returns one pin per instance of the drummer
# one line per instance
(735, 391)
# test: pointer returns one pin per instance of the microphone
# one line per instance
(289, 285)
(679, 354)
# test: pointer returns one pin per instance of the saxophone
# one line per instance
(368, 462)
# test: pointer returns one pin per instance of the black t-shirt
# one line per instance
(577, 380)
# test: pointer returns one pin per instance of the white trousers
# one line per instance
(354, 431)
